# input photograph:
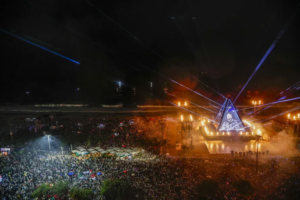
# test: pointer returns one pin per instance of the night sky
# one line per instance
(138, 42)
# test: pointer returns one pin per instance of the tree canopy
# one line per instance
(42, 190)
(80, 194)
(207, 187)
(243, 187)
(116, 190)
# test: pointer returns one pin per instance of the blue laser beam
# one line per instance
(283, 113)
(192, 103)
(269, 50)
(192, 112)
(210, 87)
(272, 103)
(41, 47)
(180, 84)
(194, 91)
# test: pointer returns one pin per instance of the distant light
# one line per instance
(77, 89)
(27, 92)
(172, 17)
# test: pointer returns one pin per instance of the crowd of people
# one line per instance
(162, 177)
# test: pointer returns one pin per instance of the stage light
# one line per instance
(185, 103)
(289, 115)
(294, 117)
(223, 133)
(258, 132)
(217, 133)
(179, 104)
(227, 133)
(211, 133)
(241, 133)
(182, 118)
(191, 117)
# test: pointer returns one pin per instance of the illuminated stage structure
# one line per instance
(227, 126)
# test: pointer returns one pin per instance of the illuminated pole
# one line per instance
(191, 132)
(49, 142)
(257, 138)
(288, 123)
(181, 129)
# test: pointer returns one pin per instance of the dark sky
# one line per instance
(117, 40)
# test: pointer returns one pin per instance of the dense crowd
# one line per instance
(156, 178)
(159, 178)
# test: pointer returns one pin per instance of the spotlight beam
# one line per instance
(41, 47)
(269, 50)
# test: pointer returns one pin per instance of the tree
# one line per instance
(42, 190)
(243, 187)
(207, 187)
(116, 190)
(60, 188)
(80, 194)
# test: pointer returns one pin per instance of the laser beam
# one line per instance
(193, 112)
(272, 103)
(209, 87)
(269, 50)
(41, 47)
(191, 103)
